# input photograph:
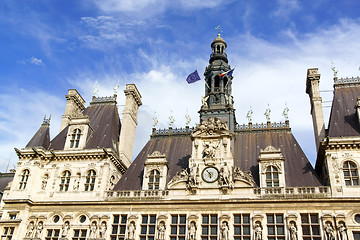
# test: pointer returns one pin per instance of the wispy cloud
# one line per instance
(32, 60)
(286, 7)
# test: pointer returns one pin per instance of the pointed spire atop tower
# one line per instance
(42, 137)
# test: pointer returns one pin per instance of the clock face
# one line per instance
(210, 174)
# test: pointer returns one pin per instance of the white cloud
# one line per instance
(36, 61)
(285, 8)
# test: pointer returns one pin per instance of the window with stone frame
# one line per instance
(356, 235)
(75, 138)
(52, 234)
(147, 228)
(24, 179)
(275, 226)
(154, 180)
(310, 226)
(118, 227)
(272, 176)
(351, 175)
(90, 180)
(79, 234)
(209, 227)
(65, 181)
(178, 227)
(8, 233)
(242, 227)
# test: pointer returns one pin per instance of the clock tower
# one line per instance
(218, 99)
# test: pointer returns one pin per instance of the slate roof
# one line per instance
(41, 138)
(343, 118)
(246, 148)
(105, 123)
(5, 178)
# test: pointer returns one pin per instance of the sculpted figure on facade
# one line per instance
(210, 149)
(30, 230)
(44, 181)
(161, 231)
(211, 125)
(192, 231)
(225, 175)
(204, 101)
(103, 228)
(93, 230)
(330, 232)
(241, 175)
(258, 231)
(65, 229)
(293, 231)
(131, 231)
(342, 231)
(39, 229)
(224, 231)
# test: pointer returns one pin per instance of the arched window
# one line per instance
(218, 49)
(351, 176)
(65, 181)
(272, 177)
(154, 179)
(24, 178)
(90, 180)
(75, 138)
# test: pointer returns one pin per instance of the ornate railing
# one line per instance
(172, 131)
(138, 194)
(294, 192)
(263, 126)
(345, 82)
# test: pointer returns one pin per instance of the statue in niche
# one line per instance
(30, 230)
(258, 231)
(293, 231)
(210, 149)
(44, 182)
(161, 231)
(192, 231)
(342, 231)
(103, 229)
(77, 182)
(194, 173)
(65, 229)
(93, 229)
(39, 229)
(131, 231)
(224, 231)
(204, 101)
(329, 230)
(225, 175)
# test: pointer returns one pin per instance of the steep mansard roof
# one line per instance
(5, 178)
(343, 118)
(41, 138)
(246, 148)
(106, 126)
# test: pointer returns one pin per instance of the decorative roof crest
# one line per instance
(156, 154)
(211, 125)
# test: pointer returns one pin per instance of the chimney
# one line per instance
(312, 88)
(129, 123)
(74, 106)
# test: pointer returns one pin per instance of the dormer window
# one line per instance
(90, 180)
(154, 179)
(351, 176)
(24, 178)
(272, 176)
(75, 138)
(65, 181)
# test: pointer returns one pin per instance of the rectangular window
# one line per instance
(242, 227)
(356, 235)
(147, 228)
(275, 226)
(310, 226)
(8, 233)
(118, 227)
(12, 216)
(79, 234)
(209, 227)
(178, 227)
(52, 234)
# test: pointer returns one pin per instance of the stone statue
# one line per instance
(224, 231)
(156, 121)
(44, 182)
(249, 115)
(65, 230)
(342, 231)
(161, 231)
(131, 231)
(77, 182)
(210, 149)
(329, 230)
(93, 229)
(172, 120)
(334, 69)
(293, 231)
(96, 90)
(258, 231)
(103, 228)
(188, 119)
(225, 175)
(192, 231)
(30, 230)
(267, 113)
(204, 101)
(116, 88)
(39, 229)
(286, 113)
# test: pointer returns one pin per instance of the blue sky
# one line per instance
(50, 46)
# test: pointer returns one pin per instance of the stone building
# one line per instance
(218, 180)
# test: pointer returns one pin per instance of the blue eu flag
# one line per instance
(193, 77)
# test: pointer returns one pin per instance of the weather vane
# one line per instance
(218, 28)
